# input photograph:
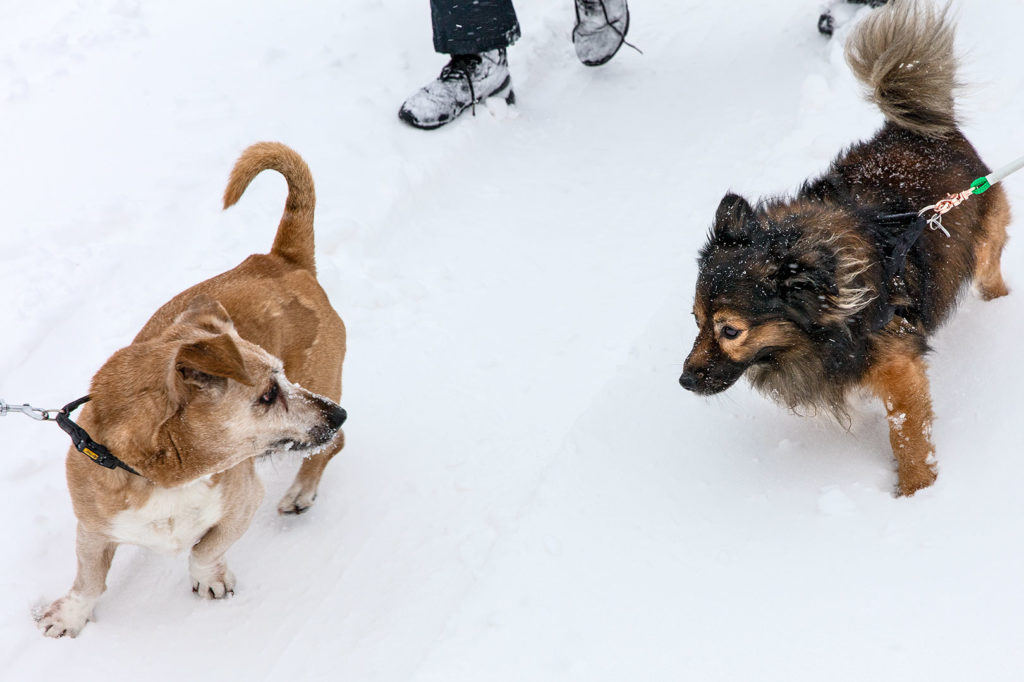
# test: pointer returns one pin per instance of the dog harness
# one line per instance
(894, 250)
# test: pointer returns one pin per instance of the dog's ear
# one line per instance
(203, 362)
(207, 314)
(813, 272)
(807, 285)
(733, 214)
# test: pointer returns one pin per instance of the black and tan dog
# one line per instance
(813, 296)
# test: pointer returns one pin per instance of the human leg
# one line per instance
(473, 26)
(475, 33)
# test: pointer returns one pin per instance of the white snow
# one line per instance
(526, 493)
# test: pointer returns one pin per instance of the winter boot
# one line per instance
(827, 21)
(601, 27)
(465, 81)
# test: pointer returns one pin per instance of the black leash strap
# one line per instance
(84, 443)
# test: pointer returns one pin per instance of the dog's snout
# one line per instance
(333, 417)
(336, 416)
(691, 379)
(688, 380)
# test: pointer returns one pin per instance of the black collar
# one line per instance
(84, 443)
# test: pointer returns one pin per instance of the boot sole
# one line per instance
(607, 59)
(510, 99)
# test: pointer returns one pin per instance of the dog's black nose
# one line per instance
(336, 416)
(688, 380)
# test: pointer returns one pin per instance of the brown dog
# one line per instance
(839, 287)
(243, 365)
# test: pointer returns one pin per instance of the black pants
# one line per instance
(472, 26)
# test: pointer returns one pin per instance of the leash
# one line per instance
(80, 438)
(979, 186)
(896, 247)
(27, 410)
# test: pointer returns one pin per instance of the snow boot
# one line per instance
(601, 27)
(827, 22)
(464, 82)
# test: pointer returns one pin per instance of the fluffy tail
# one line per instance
(294, 240)
(904, 54)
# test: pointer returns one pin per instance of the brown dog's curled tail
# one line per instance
(904, 54)
(294, 240)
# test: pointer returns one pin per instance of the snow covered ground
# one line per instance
(527, 494)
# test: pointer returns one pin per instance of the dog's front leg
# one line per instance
(69, 614)
(299, 497)
(902, 384)
(211, 577)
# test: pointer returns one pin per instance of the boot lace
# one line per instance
(462, 66)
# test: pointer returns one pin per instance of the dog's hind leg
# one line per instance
(988, 275)
(899, 379)
(302, 492)
(69, 614)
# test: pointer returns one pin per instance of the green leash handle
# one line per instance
(981, 185)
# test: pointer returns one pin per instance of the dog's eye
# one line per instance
(270, 396)
(730, 332)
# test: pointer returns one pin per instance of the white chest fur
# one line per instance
(172, 519)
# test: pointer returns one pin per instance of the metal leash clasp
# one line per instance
(27, 410)
(943, 207)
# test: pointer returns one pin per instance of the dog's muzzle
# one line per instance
(711, 379)
(689, 380)
(334, 416)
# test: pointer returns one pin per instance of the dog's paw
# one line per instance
(913, 479)
(66, 616)
(297, 500)
(215, 582)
